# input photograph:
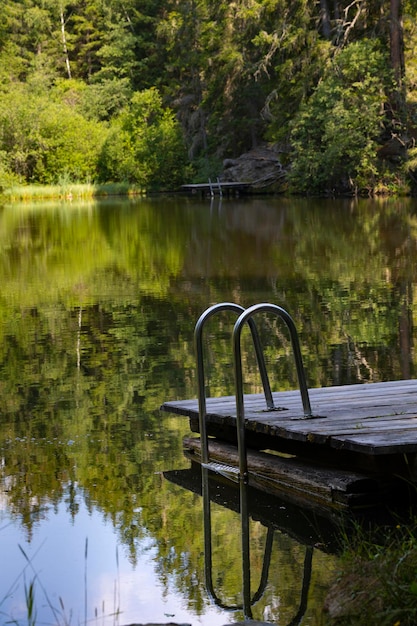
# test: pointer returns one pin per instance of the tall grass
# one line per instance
(30, 603)
(377, 583)
(60, 616)
(69, 191)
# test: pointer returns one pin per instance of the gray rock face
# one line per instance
(261, 167)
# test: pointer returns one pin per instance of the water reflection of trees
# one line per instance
(249, 561)
(97, 314)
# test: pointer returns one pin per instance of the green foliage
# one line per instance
(72, 145)
(43, 140)
(145, 145)
(224, 61)
(7, 178)
(291, 61)
(410, 166)
(206, 168)
(236, 75)
(335, 133)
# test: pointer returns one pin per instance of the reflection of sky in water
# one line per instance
(57, 553)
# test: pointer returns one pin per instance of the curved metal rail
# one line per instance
(244, 318)
(198, 340)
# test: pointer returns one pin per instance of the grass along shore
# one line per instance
(69, 191)
(377, 581)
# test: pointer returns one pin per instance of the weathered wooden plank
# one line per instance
(297, 480)
(304, 428)
(390, 440)
(284, 468)
(375, 424)
(335, 420)
(396, 442)
(344, 424)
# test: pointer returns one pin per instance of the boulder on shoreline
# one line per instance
(262, 167)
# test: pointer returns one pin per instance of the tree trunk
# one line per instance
(325, 19)
(64, 42)
(397, 43)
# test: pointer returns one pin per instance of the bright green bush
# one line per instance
(335, 134)
(145, 145)
(72, 146)
(44, 140)
(7, 178)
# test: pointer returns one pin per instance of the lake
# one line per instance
(98, 304)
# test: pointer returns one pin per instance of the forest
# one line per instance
(159, 93)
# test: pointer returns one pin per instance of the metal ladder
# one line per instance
(240, 474)
(244, 316)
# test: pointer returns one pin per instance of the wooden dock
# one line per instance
(359, 448)
(219, 188)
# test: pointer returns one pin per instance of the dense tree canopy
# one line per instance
(228, 76)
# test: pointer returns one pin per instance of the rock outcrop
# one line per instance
(262, 167)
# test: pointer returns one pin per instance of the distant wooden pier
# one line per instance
(218, 188)
(359, 449)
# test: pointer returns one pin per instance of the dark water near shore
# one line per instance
(98, 304)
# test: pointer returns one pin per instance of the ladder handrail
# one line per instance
(246, 316)
(198, 339)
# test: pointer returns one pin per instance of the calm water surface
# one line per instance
(98, 304)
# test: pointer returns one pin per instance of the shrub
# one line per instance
(335, 133)
(43, 140)
(145, 145)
